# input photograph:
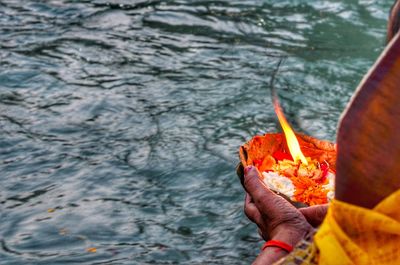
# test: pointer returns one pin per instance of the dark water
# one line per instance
(120, 120)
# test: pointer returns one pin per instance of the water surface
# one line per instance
(120, 121)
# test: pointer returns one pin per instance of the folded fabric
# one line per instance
(357, 236)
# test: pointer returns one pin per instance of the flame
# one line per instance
(293, 144)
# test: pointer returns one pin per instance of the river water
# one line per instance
(120, 121)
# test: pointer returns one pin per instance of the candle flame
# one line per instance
(293, 144)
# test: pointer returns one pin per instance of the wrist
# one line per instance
(277, 244)
(281, 244)
(291, 236)
(270, 255)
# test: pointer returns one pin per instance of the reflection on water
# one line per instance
(120, 120)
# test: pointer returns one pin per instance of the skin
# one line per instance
(276, 218)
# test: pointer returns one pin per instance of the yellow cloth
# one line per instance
(357, 236)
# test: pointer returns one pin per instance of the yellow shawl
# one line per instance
(357, 236)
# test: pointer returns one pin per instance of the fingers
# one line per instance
(273, 214)
(254, 215)
(315, 214)
(267, 202)
(252, 183)
(251, 210)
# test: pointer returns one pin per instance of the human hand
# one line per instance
(315, 214)
(275, 217)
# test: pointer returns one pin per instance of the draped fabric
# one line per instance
(356, 235)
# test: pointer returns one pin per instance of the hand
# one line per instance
(275, 217)
(315, 214)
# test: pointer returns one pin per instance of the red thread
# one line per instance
(279, 244)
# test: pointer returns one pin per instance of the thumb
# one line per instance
(315, 214)
(265, 200)
(252, 183)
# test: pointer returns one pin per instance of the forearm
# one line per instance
(272, 254)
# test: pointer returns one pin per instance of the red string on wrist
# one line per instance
(278, 244)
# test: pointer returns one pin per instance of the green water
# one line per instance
(120, 121)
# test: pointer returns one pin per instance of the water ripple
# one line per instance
(121, 120)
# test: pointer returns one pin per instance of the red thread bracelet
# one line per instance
(279, 244)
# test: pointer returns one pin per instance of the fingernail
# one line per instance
(247, 169)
